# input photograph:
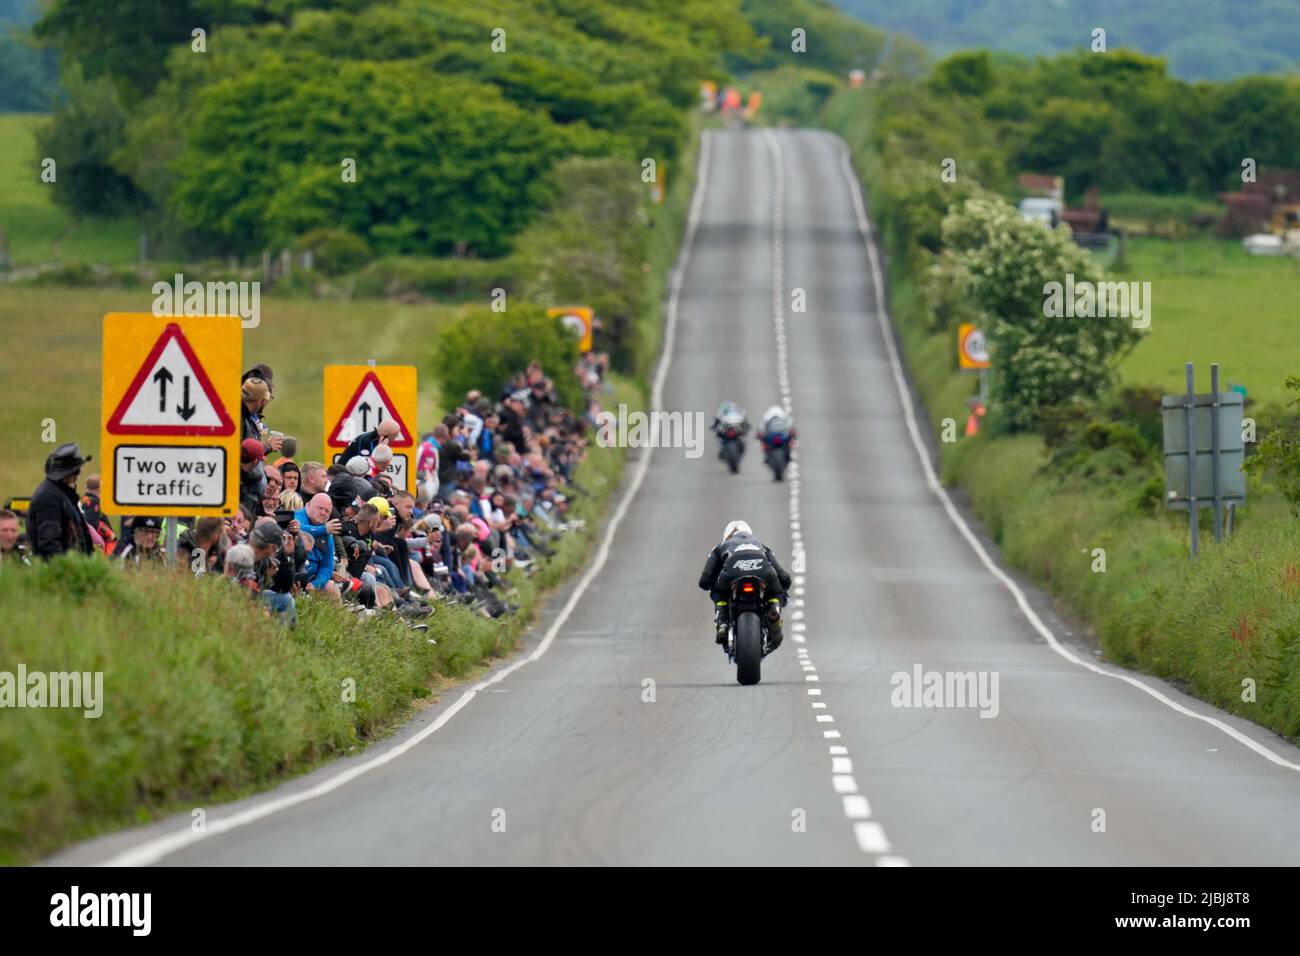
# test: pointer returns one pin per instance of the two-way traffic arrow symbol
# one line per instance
(162, 377)
(185, 409)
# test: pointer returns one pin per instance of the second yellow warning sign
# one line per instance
(358, 398)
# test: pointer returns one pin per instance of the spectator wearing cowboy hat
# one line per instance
(55, 523)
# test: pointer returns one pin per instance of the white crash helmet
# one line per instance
(734, 527)
(776, 416)
(731, 413)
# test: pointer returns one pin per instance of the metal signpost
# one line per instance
(1204, 452)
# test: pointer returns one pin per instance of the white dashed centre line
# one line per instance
(869, 834)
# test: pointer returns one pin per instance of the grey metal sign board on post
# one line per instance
(1232, 451)
(1204, 452)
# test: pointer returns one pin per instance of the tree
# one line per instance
(589, 247)
(88, 125)
(1004, 263)
(442, 164)
(484, 349)
(966, 74)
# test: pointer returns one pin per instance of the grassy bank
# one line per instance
(1225, 627)
(205, 699)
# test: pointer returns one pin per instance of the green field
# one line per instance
(1211, 302)
(50, 363)
(38, 230)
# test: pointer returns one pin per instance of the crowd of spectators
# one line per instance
(494, 485)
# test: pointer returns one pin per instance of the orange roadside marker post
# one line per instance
(973, 356)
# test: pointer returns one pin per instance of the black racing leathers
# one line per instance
(733, 559)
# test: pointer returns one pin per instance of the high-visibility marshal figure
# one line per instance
(170, 411)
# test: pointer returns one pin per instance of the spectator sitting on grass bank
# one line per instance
(143, 546)
(506, 468)
(252, 480)
(274, 570)
(201, 546)
(292, 476)
(318, 573)
(365, 443)
(13, 544)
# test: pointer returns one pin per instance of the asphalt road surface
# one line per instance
(567, 759)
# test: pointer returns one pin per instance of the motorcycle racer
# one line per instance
(740, 554)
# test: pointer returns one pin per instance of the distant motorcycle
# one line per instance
(732, 448)
(730, 425)
(777, 436)
(747, 635)
(777, 455)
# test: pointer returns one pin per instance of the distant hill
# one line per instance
(1202, 39)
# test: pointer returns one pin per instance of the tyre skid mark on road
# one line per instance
(869, 833)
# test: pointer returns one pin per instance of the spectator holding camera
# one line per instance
(273, 569)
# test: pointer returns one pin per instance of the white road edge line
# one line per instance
(886, 327)
(151, 851)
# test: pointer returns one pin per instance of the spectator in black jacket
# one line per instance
(55, 524)
(386, 432)
(514, 414)
(274, 571)
(252, 477)
(450, 451)
(200, 546)
(255, 394)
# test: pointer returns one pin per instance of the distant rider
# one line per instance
(729, 415)
(739, 544)
(776, 424)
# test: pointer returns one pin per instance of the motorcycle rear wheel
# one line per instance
(749, 649)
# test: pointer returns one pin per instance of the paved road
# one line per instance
(582, 770)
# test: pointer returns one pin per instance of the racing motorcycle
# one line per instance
(777, 454)
(747, 635)
(732, 447)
